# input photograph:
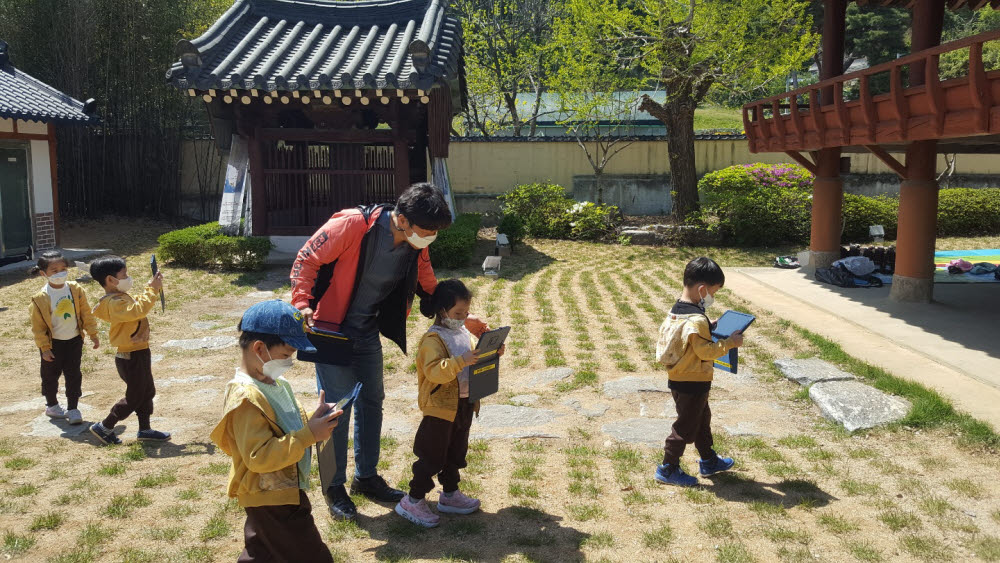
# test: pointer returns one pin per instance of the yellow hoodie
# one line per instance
(685, 346)
(264, 471)
(41, 316)
(437, 378)
(127, 316)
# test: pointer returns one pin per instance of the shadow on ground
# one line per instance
(733, 487)
(483, 536)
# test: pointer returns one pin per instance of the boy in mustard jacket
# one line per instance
(129, 333)
(269, 437)
(685, 346)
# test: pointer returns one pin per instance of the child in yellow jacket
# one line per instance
(686, 348)
(129, 333)
(60, 316)
(443, 357)
(269, 437)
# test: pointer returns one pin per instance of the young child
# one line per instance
(269, 437)
(442, 440)
(60, 316)
(130, 334)
(685, 346)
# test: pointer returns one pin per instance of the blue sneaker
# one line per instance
(107, 437)
(152, 436)
(674, 475)
(716, 465)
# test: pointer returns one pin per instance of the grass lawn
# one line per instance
(716, 117)
(563, 489)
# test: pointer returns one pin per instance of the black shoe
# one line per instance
(376, 489)
(107, 437)
(341, 506)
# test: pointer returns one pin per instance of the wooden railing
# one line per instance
(936, 109)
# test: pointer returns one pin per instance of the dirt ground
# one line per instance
(556, 486)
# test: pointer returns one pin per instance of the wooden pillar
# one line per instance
(258, 199)
(439, 122)
(913, 279)
(828, 187)
(401, 152)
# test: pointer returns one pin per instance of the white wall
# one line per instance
(41, 176)
(6, 125)
(32, 128)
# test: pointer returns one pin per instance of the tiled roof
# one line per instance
(321, 44)
(22, 96)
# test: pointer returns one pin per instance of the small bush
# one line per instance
(861, 212)
(512, 226)
(546, 211)
(205, 245)
(455, 245)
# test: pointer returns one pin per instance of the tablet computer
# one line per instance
(492, 341)
(348, 399)
(731, 322)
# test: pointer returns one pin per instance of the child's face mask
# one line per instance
(275, 368)
(58, 279)
(708, 299)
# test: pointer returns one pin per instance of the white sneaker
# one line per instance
(74, 416)
(55, 411)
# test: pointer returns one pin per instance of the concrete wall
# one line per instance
(639, 174)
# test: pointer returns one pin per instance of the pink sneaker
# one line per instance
(417, 512)
(457, 503)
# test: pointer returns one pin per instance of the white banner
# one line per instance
(440, 179)
(233, 189)
(248, 208)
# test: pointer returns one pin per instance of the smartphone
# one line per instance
(152, 265)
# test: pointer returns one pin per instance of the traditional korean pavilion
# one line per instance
(341, 103)
(920, 116)
(30, 111)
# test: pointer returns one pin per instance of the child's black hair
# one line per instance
(247, 338)
(445, 296)
(105, 266)
(703, 271)
(424, 205)
(48, 258)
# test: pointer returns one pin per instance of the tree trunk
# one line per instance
(678, 115)
(599, 184)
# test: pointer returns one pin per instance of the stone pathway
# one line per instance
(631, 385)
(549, 376)
(639, 430)
(205, 343)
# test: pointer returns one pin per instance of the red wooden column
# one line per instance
(828, 187)
(918, 193)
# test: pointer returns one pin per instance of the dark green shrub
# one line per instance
(758, 204)
(861, 212)
(205, 245)
(968, 212)
(542, 207)
(589, 221)
(512, 226)
(455, 245)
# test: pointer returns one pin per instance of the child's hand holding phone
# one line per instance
(157, 281)
(324, 419)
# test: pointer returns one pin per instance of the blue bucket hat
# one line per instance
(280, 319)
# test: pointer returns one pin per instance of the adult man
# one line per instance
(358, 275)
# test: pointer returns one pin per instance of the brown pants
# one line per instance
(283, 533)
(137, 373)
(693, 424)
(68, 354)
(440, 447)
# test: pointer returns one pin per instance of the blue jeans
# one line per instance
(338, 381)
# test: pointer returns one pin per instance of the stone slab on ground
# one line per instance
(631, 385)
(811, 371)
(511, 435)
(525, 400)
(639, 430)
(185, 380)
(509, 416)
(857, 406)
(204, 325)
(256, 297)
(547, 376)
(744, 428)
(206, 343)
(590, 411)
(38, 403)
(44, 427)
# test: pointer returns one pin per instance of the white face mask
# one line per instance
(125, 285)
(275, 368)
(419, 242)
(453, 324)
(58, 279)
(707, 300)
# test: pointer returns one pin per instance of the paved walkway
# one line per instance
(950, 345)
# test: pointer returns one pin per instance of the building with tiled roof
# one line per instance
(30, 110)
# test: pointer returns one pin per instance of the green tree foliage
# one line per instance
(687, 48)
(507, 53)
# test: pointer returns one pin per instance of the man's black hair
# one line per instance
(247, 338)
(445, 296)
(48, 258)
(424, 205)
(105, 266)
(703, 271)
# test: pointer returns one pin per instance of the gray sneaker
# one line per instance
(74, 416)
(55, 411)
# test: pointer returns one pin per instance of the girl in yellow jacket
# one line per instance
(60, 316)
(443, 358)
